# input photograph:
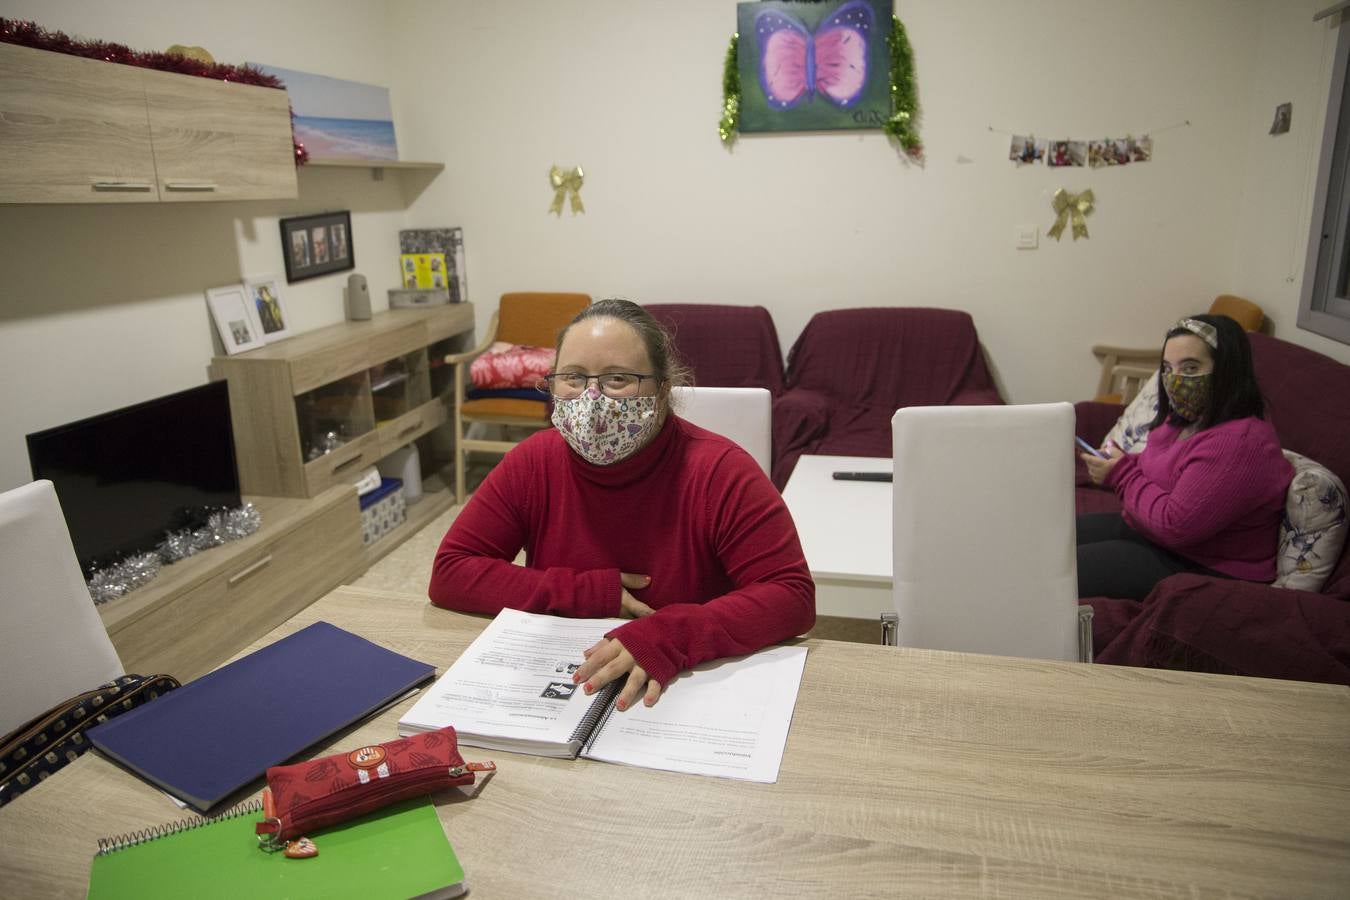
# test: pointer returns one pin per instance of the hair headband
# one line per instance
(1203, 330)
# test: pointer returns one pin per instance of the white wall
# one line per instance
(103, 306)
(1293, 64)
(801, 223)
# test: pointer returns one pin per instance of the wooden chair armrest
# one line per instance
(454, 359)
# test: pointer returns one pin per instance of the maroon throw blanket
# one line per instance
(1199, 623)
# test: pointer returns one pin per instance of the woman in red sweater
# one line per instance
(625, 509)
(1208, 490)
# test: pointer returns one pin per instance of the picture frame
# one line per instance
(236, 318)
(813, 66)
(264, 295)
(317, 245)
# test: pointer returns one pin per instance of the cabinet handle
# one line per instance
(123, 186)
(240, 576)
(189, 185)
(409, 430)
(351, 462)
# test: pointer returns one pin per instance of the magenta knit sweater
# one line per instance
(691, 509)
(1215, 497)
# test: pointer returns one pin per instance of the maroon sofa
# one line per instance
(1219, 625)
(725, 345)
(851, 369)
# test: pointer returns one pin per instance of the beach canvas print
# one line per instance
(339, 119)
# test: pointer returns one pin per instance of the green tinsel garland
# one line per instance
(731, 96)
(900, 125)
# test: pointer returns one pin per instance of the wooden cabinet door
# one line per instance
(217, 140)
(72, 130)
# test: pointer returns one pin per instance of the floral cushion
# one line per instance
(506, 366)
(1130, 433)
(1313, 528)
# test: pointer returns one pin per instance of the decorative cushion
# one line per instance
(1130, 432)
(1313, 527)
(511, 366)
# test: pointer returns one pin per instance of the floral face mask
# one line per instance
(604, 430)
(1188, 395)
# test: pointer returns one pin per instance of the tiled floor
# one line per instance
(408, 570)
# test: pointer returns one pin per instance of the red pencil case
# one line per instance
(311, 795)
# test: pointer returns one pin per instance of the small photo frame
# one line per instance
(1284, 114)
(317, 245)
(1067, 153)
(264, 295)
(235, 318)
(1025, 150)
(1141, 149)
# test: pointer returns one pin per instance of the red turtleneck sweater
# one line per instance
(691, 509)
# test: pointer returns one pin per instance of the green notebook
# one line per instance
(397, 852)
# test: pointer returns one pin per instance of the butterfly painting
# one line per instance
(812, 66)
(795, 64)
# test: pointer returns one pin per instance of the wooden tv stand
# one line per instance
(200, 611)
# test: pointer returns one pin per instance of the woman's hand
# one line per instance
(1099, 468)
(609, 660)
(629, 606)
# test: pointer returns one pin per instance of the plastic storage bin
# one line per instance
(382, 510)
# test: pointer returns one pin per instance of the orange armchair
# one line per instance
(530, 319)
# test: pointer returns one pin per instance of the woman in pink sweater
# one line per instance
(624, 509)
(1207, 492)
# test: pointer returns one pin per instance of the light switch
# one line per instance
(1028, 237)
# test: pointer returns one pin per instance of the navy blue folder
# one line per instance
(214, 735)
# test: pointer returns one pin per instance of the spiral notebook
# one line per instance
(397, 852)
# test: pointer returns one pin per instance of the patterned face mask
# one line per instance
(604, 430)
(1188, 395)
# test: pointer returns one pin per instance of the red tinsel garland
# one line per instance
(29, 34)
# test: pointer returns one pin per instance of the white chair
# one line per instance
(52, 639)
(742, 414)
(984, 547)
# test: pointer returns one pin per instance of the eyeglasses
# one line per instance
(570, 385)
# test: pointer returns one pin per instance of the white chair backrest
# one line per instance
(742, 414)
(984, 554)
(52, 639)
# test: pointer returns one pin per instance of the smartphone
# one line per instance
(1089, 448)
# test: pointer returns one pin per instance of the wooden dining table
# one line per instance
(906, 773)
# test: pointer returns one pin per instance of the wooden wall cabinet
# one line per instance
(76, 130)
(371, 386)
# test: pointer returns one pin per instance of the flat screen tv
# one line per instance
(126, 477)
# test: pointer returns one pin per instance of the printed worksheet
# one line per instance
(728, 718)
(512, 688)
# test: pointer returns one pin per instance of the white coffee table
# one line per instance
(845, 529)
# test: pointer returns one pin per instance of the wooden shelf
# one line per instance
(376, 166)
(202, 609)
(284, 395)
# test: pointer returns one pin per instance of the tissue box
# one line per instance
(382, 510)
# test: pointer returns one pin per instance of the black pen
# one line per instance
(862, 476)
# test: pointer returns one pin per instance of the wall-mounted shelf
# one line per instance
(376, 166)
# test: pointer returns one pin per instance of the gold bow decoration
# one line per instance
(1071, 206)
(566, 182)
